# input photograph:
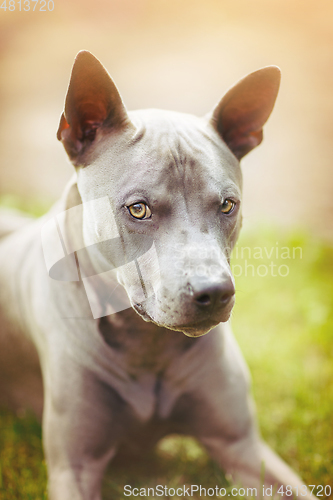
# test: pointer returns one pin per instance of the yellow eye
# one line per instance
(139, 211)
(227, 206)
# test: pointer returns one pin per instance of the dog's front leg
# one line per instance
(79, 431)
(220, 411)
(253, 466)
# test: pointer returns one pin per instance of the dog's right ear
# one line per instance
(240, 115)
(92, 102)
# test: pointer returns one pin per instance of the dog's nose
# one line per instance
(215, 295)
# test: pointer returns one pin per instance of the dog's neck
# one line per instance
(144, 346)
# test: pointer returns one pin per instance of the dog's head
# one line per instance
(172, 183)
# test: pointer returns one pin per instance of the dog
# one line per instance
(95, 297)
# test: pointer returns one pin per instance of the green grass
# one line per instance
(22, 467)
(284, 326)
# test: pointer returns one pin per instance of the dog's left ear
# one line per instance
(92, 102)
(242, 112)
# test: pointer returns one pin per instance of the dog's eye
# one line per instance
(227, 206)
(139, 211)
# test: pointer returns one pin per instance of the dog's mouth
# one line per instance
(201, 327)
(191, 328)
(142, 312)
(197, 329)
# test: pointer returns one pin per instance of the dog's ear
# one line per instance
(92, 101)
(242, 112)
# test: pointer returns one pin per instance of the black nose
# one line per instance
(216, 295)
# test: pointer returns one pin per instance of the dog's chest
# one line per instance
(142, 346)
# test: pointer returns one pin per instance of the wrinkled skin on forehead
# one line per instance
(178, 165)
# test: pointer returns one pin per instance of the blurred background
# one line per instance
(182, 55)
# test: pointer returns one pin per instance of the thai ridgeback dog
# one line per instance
(95, 297)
